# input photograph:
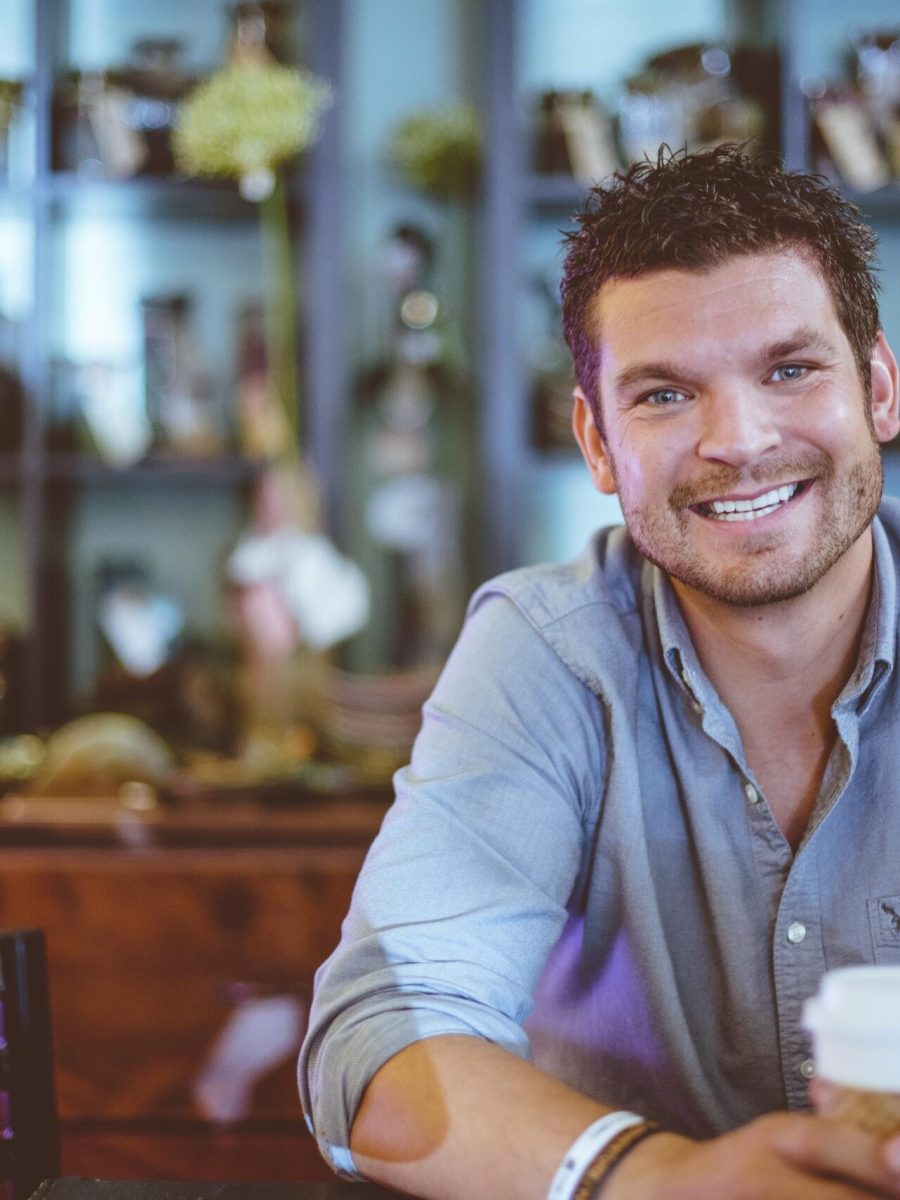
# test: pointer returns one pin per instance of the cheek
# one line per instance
(662, 457)
(651, 458)
(834, 418)
(639, 479)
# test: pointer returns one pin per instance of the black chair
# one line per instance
(29, 1135)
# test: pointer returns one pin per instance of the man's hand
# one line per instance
(782, 1156)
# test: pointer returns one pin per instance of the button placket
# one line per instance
(799, 963)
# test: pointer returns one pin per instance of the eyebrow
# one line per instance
(649, 370)
(804, 340)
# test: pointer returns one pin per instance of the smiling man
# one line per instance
(657, 792)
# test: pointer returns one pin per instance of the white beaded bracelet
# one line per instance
(585, 1149)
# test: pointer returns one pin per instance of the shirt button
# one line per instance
(808, 1069)
(697, 707)
(796, 932)
(751, 793)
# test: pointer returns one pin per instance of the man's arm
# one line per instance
(467, 887)
(457, 1118)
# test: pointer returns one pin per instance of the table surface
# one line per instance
(138, 1189)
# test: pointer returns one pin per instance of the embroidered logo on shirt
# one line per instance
(884, 922)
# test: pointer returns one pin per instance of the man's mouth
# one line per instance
(749, 510)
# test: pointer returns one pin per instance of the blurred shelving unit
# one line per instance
(90, 247)
(78, 252)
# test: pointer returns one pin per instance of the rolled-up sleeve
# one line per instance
(466, 888)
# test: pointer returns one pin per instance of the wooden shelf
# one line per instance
(84, 822)
(152, 196)
(215, 472)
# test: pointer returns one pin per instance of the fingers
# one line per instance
(833, 1149)
(798, 1185)
(824, 1095)
(890, 1153)
(784, 1156)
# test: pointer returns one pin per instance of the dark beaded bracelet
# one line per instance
(591, 1183)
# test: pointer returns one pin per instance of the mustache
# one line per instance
(722, 480)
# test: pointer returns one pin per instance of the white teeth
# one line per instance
(747, 516)
(751, 510)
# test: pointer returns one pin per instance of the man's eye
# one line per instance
(664, 396)
(789, 373)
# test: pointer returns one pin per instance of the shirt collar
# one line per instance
(678, 649)
(876, 656)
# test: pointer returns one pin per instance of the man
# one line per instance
(656, 792)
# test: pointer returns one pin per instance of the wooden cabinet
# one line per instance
(158, 930)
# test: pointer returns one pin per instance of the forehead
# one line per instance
(745, 296)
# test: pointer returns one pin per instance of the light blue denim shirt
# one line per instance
(580, 866)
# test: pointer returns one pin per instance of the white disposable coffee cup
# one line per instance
(855, 1025)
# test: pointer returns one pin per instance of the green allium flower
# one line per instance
(438, 151)
(247, 119)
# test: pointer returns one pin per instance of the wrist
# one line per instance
(594, 1180)
(594, 1152)
(647, 1169)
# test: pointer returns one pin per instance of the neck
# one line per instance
(809, 644)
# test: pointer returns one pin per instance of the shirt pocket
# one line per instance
(884, 923)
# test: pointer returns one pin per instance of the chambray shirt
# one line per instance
(580, 866)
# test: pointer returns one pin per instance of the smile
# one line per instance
(748, 510)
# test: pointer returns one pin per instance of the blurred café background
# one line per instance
(281, 380)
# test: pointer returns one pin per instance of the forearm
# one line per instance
(459, 1117)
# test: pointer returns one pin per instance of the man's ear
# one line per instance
(885, 391)
(591, 444)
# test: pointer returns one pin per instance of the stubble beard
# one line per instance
(767, 572)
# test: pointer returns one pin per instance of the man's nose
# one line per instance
(737, 427)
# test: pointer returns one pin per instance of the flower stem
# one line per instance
(281, 322)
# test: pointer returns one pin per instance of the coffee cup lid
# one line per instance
(855, 1023)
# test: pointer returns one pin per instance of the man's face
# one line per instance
(736, 430)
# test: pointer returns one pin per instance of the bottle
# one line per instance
(177, 383)
(410, 486)
(259, 32)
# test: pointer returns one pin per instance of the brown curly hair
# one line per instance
(697, 210)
